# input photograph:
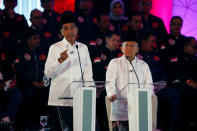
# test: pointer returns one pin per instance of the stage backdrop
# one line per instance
(187, 9)
(163, 9)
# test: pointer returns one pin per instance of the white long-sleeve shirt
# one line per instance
(62, 75)
(119, 74)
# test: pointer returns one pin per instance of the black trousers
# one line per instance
(61, 117)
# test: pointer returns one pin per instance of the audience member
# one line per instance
(151, 22)
(87, 21)
(185, 79)
(51, 18)
(47, 36)
(13, 29)
(174, 44)
(10, 96)
(29, 65)
(117, 18)
(169, 113)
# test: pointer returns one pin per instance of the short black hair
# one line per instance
(176, 17)
(145, 34)
(34, 10)
(99, 16)
(45, 1)
(133, 13)
(10, 1)
(68, 17)
(31, 32)
(111, 33)
(188, 40)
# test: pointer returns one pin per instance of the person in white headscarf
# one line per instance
(117, 18)
(117, 10)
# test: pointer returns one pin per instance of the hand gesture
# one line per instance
(63, 56)
(112, 98)
(192, 83)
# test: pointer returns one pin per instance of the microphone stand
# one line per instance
(83, 85)
(138, 82)
(135, 75)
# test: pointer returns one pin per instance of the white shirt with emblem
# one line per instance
(62, 75)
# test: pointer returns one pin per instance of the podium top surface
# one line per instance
(73, 86)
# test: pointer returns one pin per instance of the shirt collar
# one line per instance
(68, 45)
(124, 58)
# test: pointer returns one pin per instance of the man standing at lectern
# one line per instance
(63, 66)
(120, 72)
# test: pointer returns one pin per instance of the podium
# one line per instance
(82, 94)
(140, 106)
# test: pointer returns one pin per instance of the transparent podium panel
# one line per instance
(72, 88)
(140, 106)
(100, 86)
(136, 100)
(159, 85)
(83, 97)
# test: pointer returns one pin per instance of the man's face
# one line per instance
(130, 49)
(145, 6)
(104, 22)
(10, 4)
(175, 26)
(37, 19)
(69, 31)
(34, 41)
(148, 45)
(191, 49)
(48, 4)
(113, 42)
(136, 22)
(117, 9)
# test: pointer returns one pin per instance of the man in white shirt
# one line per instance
(119, 73)
(63, 66)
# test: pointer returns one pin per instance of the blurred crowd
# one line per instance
(171, 58)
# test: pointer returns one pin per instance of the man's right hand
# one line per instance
(191, 83)
(112, 98)
(63, 56)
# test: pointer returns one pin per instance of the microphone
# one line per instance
(71, 52)
(80, 65)
(134, 72)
